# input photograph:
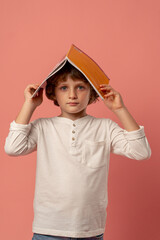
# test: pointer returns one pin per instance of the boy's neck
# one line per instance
(73, 116)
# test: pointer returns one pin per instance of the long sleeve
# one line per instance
(132, 144)
(22, 139)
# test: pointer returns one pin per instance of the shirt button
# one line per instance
(73, 131)
(73, 139)
(74, 125)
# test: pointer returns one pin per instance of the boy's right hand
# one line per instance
(28, 92)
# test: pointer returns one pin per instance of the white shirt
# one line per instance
(72, 169)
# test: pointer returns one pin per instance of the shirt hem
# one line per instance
(67, 233)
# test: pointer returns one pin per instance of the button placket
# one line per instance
(73, 134)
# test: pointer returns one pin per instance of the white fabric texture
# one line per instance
(72, 169)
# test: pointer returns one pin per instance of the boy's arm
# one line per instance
(30, 104)
(113, 100)
(22, 137)
(126, 119)
(131, 143)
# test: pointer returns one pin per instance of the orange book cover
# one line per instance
(85, 64)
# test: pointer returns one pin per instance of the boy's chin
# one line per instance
(75, 112)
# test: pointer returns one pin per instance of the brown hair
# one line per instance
(67, 70)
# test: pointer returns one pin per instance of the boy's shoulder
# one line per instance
(41, 121)
(101, 119)
(47, 120)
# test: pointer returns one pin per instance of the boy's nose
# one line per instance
(72, 94)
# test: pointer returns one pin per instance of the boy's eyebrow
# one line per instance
(59, 83)
(77, 83)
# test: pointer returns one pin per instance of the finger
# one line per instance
(33, 86)
(105, 85)
(106, 88)
(109, 94)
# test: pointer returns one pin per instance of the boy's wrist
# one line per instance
(25, 113)
(120, 110)
(126, 119)
(30, 104)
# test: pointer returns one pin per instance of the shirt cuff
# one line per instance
(132, 135)
(20, 127)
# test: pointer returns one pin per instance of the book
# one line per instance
(85, 64)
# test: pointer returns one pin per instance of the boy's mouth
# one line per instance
(72, 103)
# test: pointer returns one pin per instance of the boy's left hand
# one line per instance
(112, 99)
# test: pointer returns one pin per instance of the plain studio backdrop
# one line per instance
(123, 37)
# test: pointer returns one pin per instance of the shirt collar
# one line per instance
(70, 121)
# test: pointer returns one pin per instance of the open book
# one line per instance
(86, 65)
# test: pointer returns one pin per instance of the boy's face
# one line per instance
(73, 97)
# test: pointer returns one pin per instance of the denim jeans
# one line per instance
(37, 236)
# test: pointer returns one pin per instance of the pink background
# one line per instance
(123, 37)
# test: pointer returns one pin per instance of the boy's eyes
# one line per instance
(81, 87)
(65, 87)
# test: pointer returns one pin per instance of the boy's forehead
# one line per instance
(69, 79)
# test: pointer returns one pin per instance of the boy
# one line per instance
(73, 152)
